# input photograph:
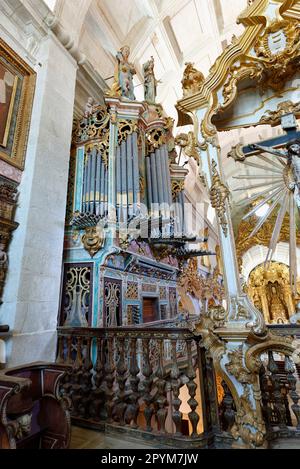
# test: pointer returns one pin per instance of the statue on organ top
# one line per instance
(150, 81)
(124, 72)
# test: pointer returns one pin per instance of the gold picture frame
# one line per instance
(17, 85)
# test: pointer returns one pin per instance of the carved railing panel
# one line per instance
(77, 300)
(280, 397)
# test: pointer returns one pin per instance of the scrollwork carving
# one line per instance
(219, 194)
(189, 144)
(177, 186)
(286, 107)
(248, 424)
(278, 49)
(236, 368)
(92, 127)
(125, 128)
(156, 138)
(199, 287)
(218, 315)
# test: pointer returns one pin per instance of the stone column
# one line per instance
(31, 297)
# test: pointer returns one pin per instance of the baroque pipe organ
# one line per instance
(126, 235)
(142, 174)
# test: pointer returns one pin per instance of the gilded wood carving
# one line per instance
(17, 84)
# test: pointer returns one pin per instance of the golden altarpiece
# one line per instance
(270, 292)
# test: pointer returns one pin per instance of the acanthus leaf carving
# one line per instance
(286, 107)
(219, 194)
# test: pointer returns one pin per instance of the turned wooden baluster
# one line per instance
(69, 359)
(276, 391)
(109, 378)
(76, 378)
(60, 352)
(161, 397)
(68, 378)
(265, 397)
(147, 384)
(121, 369)
(192, 386)
(228, 411)
(206, 397)
(86, 381)
(175, 385)
(292, 382)
(210, 378)
(132, 410)
(98, 392)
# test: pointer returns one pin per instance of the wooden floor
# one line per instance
(81, 438)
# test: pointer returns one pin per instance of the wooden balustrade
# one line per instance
(137, 378)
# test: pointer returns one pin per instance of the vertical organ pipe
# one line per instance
(106, 192)
(149, 182)
(118, 182)
(102, 189)
(124, 181)
(165, 199)
(84, 191)
(177, 225)
(154, 182)
(129, 159)
(97, 186)
(164, 175)
(181, 198)
(88, 185)
(159, 177)
(136, 173)
(166, 161)
(92, 181)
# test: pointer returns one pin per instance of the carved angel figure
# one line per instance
(150, 81)
(89, 107)
(192, 79)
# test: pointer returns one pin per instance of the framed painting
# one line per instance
(17, 84)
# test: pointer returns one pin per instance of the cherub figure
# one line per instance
(192, 79)
(89, 107)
